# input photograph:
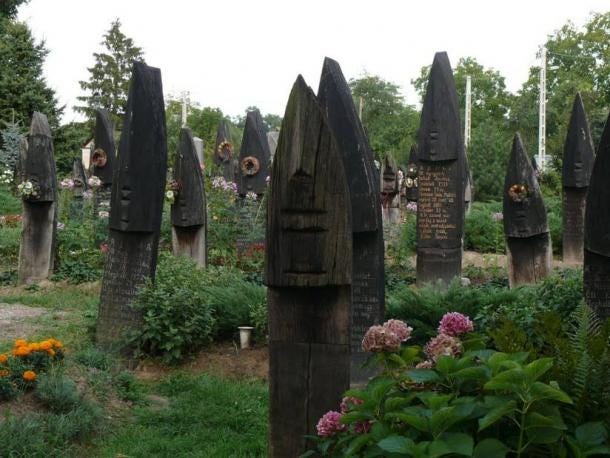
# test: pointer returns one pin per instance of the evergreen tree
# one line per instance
(23, 89)
(8, 8)
(108, 83)
(11, 142)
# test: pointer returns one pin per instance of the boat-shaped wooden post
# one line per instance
(368, 286)
(136, 206)
(188, 209)
(440, 179)
(38, 189)
(578, 159)
(308, 274)
(596, 269)
(253, 156)
(528, 241)
(224, 152)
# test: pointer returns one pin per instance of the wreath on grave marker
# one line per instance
(99, 158)
(250, 166)
(224, 151)
(29, 190)
(518, 192)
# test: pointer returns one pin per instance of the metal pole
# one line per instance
(360, 108)
(542, 112)
(467, 112)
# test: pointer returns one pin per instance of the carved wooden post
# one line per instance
(136, 205)
(411, 176)
(38, 188)
(390, 199)
(528, 241)
(253, 156)
(440, 179)
(223, 151)
(578, 159)
(79, 177)
(308, 272)
(596, 273)
(188, 209)
(104, 155)
(368, 288)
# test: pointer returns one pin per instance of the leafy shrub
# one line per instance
(479, 403)
(76, 271)
(57, 393)
(259, 319)
(10, 239)
(127, 387)
(177, 316)
(483, 232)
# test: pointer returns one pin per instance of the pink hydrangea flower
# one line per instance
(330, 424)
(362, 427)
(380, 338)
(455, 324)
(443, 345)
(349, 401)
(425, 365)
(399, 328)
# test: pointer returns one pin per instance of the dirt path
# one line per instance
(16, 320)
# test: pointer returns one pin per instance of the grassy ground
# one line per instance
(176, 414)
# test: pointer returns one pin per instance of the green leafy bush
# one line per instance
(77, 271)
(10, 239)
(177, 316)
(478, 403)
(483, 232)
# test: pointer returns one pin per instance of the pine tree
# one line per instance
(23, 89)
(11, 142)
(8, 8)
(108, 83)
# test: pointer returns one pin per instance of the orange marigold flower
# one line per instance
(3, 358)
(29, 376)
(34, 346)
(21, 351)
(56, 343)
(46, 345)
(51, 352)
(4, 373)
(21, 343)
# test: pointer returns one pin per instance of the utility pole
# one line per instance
(542, 112)
(185, 102)
(360, 108)
(467, 112)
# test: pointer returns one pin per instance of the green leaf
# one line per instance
(423, 375)
(490, 448)
(543, 435)
(541, 391)
(445, 365)
(434, 400)
(510, 380)
(445, 417)
(538, 420)
(459, 443)
(538, 368)
(497, 413)
(417, 421)
(352, 417)
(395, 403)
(472, 373)
(438, 448)
(396, 444)
(593, 433)
(357, 444)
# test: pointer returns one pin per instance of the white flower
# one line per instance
(103, 214)
(251, 195)
(94, 182)
(170, 196)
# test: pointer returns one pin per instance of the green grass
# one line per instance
(206, 417)
(72, 312)
(9, 204)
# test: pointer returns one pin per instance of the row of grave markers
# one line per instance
(324, 246)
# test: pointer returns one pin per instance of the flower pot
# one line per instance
(245, 336)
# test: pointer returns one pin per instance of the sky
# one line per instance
(233, 54)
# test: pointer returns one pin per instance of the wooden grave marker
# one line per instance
(308, 274)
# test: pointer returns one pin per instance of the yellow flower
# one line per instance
(51, 352)
(46, 345)
(3, 358)
(21, 343)
(29, 376)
